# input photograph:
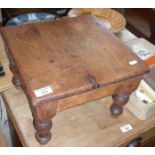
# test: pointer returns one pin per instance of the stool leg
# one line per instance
(43, 114)
(120, 99)
(43, 134)
(15, 79)
(16, 82)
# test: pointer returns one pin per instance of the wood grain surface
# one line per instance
(67, 54)
(87, 125)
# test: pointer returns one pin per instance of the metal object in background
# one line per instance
(2, 73)
(23, 16)
(135, 143)
(30, 18)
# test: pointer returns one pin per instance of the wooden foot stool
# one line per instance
(65, 63)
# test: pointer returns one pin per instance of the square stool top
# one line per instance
(57, 59)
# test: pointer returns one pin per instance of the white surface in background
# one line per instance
(125, 35)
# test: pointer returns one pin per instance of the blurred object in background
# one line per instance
(141, 22)
(1, 20)
(112, 19)
(30, 18)
(150, 78)
(144, 49)
(16, 16)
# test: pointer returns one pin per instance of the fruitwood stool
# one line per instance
(65, 63)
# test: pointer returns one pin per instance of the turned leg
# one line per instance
(15, 79)
(122, 93)
(43, 114)
(16, 82)
(43, 134)
(120, 99)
